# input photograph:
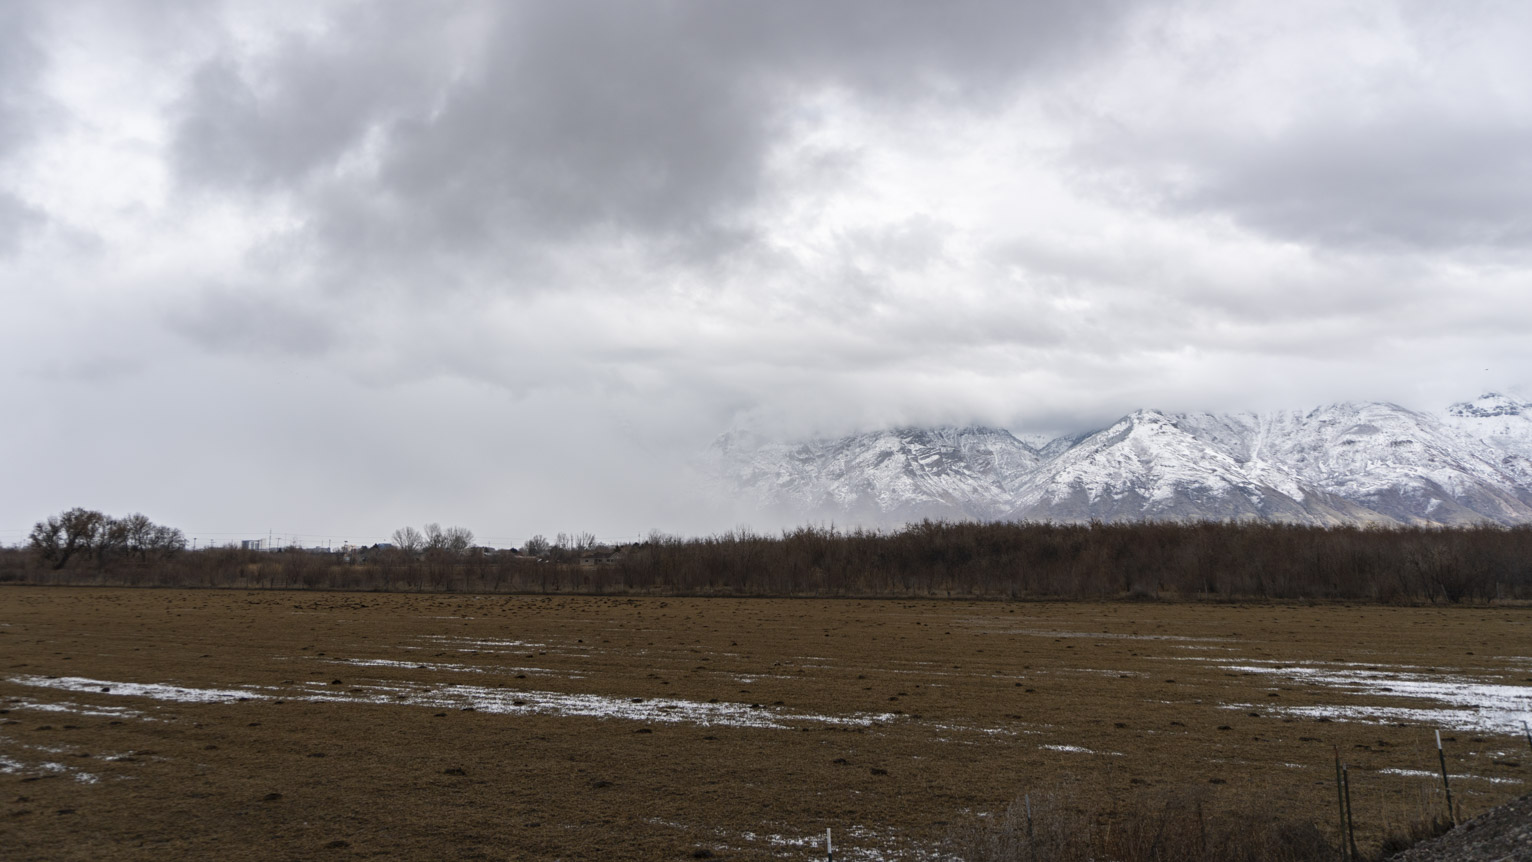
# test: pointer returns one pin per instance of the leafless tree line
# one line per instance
(1144, 560)
(85, 535)
(434, 539)
(931, 558)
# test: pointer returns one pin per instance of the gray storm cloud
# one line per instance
(350, 266)
(524, 126)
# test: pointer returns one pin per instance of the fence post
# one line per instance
(1442, 757)
(1202, 831)
(1028, 800)
(1031, 845)
(1350, 822)
(1340, 802)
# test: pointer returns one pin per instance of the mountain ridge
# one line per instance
(1350, 462)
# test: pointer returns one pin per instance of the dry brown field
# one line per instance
(155, 724)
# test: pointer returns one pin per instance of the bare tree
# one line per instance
(84, 533)
(63, 536)
(458, 539)
(49, 542)
(409, 540)
(166, 541)
(138, 535)
(146, 540)
(435, 537)
(537, 546)
(109, 540)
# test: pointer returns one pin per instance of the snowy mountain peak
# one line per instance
(1349, 462)
(1504, 425)
(1489, 404)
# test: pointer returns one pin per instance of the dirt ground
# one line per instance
(153, 724)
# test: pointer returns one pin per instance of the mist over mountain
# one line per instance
(1343, 463)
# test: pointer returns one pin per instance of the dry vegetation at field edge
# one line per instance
(355, 741)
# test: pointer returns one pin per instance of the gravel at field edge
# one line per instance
(1503, 834)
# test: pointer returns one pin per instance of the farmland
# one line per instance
(142, 724)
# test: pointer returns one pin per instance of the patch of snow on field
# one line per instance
(1075, 749)
(989, 626)
(1473, 705)
(12, 766)
(493, 700)
(454, 668)
(1466, 721)
(987, 731)
(409, 665)
(851, 843)
(466, 643)
(76, 709)
(155, 690)
(656, 710)
(1426, 773)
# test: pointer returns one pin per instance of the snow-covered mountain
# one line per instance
(1343, 463)
(882, 476)
(1504, 423)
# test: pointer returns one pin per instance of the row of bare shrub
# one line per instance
(956, 559)
(1100, 560)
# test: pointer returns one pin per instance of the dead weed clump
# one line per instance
(1402, 838)
(1165, 826)
(1162, 827)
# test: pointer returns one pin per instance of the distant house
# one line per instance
(601, 556)
(360, 553)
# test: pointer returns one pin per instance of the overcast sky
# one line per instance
(333, 268)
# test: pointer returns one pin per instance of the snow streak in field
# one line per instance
(464, 643)
(1075, 749)
(858, 843)
(1471, 705)
(1060, 634)
(482, 699)
(75, 709)
(153, 690)
(383, 662)
(12, 766)
(1426, 773)
(453, 668)
(653, 710)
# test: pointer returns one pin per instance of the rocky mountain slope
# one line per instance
(1353, 462)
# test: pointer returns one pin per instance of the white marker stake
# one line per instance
(1451, 815)
(829, 846)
